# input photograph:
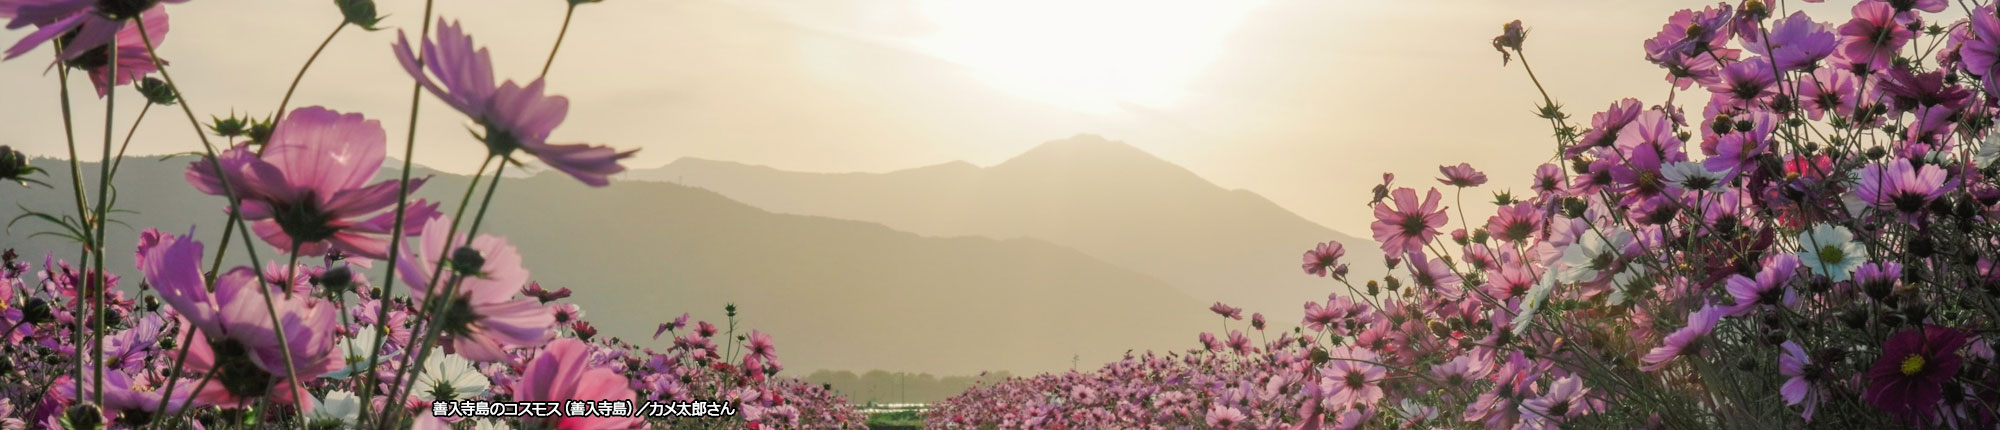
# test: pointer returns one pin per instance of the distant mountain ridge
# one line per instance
(1105, 198)
(835, 294)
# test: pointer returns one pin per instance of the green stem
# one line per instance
(120, 159)
(82, 205)
(301, 76)
(560, 34)
(396, 230)
(103, 201)
(229, 191)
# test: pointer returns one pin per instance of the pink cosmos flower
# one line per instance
(1563, 401)
(1408, 225)
(563, 371)
(760, 345)
(487, 316)
(1768, 289)
(515, 117)
(1220, 417)
(1436, 276)
(1686, 341)
(1829, 90)
(1873, 36)
(1226, 311)
(1979, 56)
(1357, 378)
(87, 25)
(1796, 42)
(1324, 259)
(1515, 223)
(1746, 83)
(1899, 187)
(133, 61)
(1908, 378)
(1802, 377)
(309, 188)
(1604, 126)
(1462, 175)
(1549, 181)
(235, 339)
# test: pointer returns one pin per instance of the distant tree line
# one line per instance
(879, 386)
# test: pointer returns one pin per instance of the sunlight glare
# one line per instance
(1088, 55)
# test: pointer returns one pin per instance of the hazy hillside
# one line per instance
(1105, 198)
(835, 294)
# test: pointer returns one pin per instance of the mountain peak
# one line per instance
(1084, 149)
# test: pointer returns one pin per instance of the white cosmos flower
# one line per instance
(1830, 250)
(342, 406)
(450, 375)
(1622, 284)
(1532, 304)
(1989, 150)
(1691, 176)
(1593, 254)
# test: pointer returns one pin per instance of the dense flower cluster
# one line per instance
(312, 342)
(1816, 247)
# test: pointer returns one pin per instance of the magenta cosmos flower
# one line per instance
(309, 188)
(1324, 260)
(1909, 377)
(488, 315)
(1461, 175)
(1408, 225)
(515, 117)
(1220, 417)
(1686, 341)
(1768, 289)
(133, 61)
(84, 25)
(1563, 401)
(235, 342)
(1980, 55)
(564, 372)
(1796, 42)
(1899, 187)
(1873, 36)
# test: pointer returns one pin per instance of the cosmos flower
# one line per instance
(1226, 311)
(235, 337)
(515, 117)
(1979, 55)
(1831, 251)
(1802, 378)
(1324, 260)
(1462, 175)
(1746, 83)
(450, 377)
(1796, 42)
(1357, 378)
(563, 371)
(84, 26)
(1769, 289)
(1829, 90)
(1899, 187)
(1908, 378)
(309, 188)
(1563, 401)
(487, 316)
(1410, 224)
(760, 345)
(1686, 341)
(1691, 176)
(1221, 417)
(1873, 36)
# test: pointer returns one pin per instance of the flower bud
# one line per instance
(360, 13)
(339, 279)
(83, 416)
(157, 92)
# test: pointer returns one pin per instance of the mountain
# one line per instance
(835, 294)
(1105, 198)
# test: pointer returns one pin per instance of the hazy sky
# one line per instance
(1304, 101)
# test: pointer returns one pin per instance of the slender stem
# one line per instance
(175, 377)
(103, 201)
(419, 343)
(396, 229)
(82, 205)
(229, 191)
(567, 14)
(120, 159)
(301, 76)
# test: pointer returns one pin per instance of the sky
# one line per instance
(1306, 102)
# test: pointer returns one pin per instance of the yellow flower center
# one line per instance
(1913, 365)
